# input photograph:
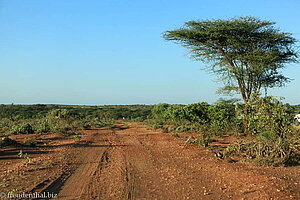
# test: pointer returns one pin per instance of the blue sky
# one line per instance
(111, 51)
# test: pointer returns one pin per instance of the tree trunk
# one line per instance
(245, 119)
(266, 92)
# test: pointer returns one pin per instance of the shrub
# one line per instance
(138, 119)
(204, 137)
(196, 112)
(270, 120)
(44, 127)
(78, 135)
(24, 156)
(158, 111)
(271, 149)
(174, 113)
(220, 116)
(25, 128)
(235, 149)
(267, 114)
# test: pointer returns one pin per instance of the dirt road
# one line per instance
(135, 163)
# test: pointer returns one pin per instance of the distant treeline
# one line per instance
(110, 111)
(107, 111)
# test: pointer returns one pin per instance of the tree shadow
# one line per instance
(13, 153)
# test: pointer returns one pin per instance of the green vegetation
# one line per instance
(24, 156)
(273, 139)
(28, 119)
(202, 118)
(24, 128)
(218, 116)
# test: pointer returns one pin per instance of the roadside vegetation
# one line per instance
(271, 139)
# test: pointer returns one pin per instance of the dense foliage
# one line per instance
(218, 115)
(267, 114)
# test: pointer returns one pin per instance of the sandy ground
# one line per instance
(128, 161)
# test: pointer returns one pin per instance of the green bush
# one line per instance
(267, 114)
(204, 136)
(271, 149)
(197, 112)
(174, 113)
(25, 128)
(268, 148)
(44, 127)
(159, 110)
(220, 117)
(203, 139)
(270, 120)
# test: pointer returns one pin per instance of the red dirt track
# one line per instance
(137, 163)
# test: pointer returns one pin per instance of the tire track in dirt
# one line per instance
(94, 189)
(141, 170)
(129, 188)
(129, 173)
(91, 159)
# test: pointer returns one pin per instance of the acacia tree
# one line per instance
(245, 53)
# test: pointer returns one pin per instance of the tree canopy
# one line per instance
(246, 53)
